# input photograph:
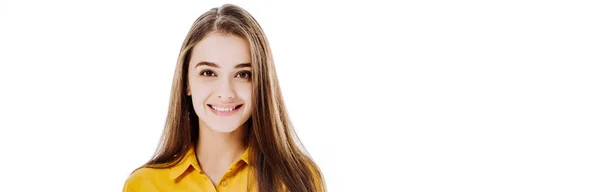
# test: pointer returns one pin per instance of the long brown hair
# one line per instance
(277, 155)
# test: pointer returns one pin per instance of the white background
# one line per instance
(411, 96)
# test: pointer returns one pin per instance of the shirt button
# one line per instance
(223, 183)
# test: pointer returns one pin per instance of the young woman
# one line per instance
(227, 128)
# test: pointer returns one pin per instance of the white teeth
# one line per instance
(222, 109)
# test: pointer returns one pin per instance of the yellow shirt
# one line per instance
(188, 176)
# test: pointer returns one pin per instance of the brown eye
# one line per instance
(244, 74)
(207, 73)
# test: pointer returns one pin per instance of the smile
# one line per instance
(224, 110)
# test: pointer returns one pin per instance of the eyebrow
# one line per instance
(211, 64)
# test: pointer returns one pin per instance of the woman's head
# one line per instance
(222, 52)
(225, 61)
(220, 81)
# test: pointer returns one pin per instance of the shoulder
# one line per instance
(144, 178)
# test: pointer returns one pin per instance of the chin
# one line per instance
(222, 129)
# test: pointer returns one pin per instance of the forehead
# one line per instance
(223, 49)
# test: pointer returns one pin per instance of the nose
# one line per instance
(226, 90)
(228, 97)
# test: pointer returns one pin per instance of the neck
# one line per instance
(220, 149)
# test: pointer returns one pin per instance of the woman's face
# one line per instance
(220, 82)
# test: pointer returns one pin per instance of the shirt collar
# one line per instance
(190, 160)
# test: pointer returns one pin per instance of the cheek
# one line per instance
(200, 90)
(245, 92)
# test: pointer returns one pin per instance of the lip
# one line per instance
(230, 105)
(224, 113)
